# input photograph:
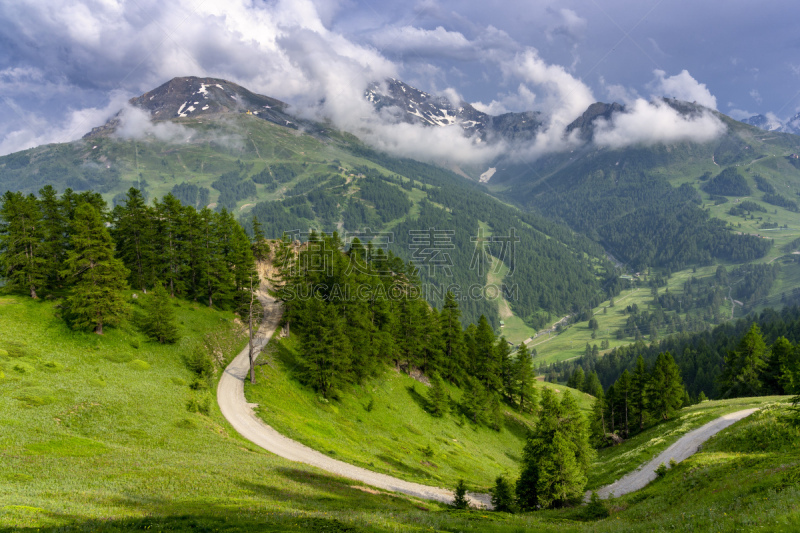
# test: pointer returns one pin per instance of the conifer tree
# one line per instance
(506, 368)
(598, 425)
(503, 496)
(666, 386)
(437, 396)
(525, 380)
(474, 400)
(260, 246)
(593, 385)
(97, 278)
(169, 242)
(55, 233)
(135, 239)
(460, 496)
(326, 349)
(22, 256)
(452, 338)
(556, 456)
(624, 391)
(485, 363)
(743, 366)
(639, 385)
(576, 381)
(159, 320)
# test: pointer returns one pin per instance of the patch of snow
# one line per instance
(486, 176)
(267, 107)
(180, 111)
(255, 112)
(94, 147)
(204, 107)
(196, 103)
(220, 86)
(203, 89)
(152, 97)
(189, 109)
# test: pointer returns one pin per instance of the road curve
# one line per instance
(234, 407)
(680, 450)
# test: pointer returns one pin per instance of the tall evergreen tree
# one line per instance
(576, 381)
(437, 396)
(326, 349)
(159, 321)
(97, 278)
(169, 242)
(55, 229)
(743, 366)
(260, 246)
(134, 235)
(525, 380)
(452, 338)
(666, 386)
(639, 384)
(505, 366)
(556, 456)
(22, 256)
(624, 390)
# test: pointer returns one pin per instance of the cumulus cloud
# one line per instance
(683, 87)
(655, 122)
(422, 42)
(37, 129)
(567, 23)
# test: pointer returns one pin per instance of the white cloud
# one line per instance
(568, 23)
(39, 130)
(755, 95)
(656, 122)
(136, 123)
(683, 87)
(422, 42)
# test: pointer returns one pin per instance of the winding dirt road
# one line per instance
(680, 450)
(234, 407)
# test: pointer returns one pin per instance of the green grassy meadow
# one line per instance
(383, 425)
(95, 435)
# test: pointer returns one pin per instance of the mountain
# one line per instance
(195, 97)
(408, 104)
(295, 176)
(772, 123)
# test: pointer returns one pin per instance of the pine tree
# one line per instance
(639, 385)
(97, 278)
(260, 246)
(502, 496)
(55, 229)
(593, 385)
(135, 239)
(485, 364)
(452, 338)
(525, 380)
(326, 349)
(460, 496)
(624, 390)
(576, 381)
(506, 368)
(598, 425)
(741, 375)
(556, 456)
(437, 396)
(22, 256)
(666, 387)
(159, 320)
(169, 243)
(474, 400)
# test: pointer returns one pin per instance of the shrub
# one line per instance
(661, 471)
(502, 496)
(596, 509)
(460, 496)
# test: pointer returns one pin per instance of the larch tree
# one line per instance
(525, 380)
(159, 321)
(22, 255)
(741, 375)
(666, 386)
(97, 278)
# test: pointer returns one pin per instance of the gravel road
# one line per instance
(680, 450)
(234, 407)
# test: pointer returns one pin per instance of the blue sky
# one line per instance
(66, 66)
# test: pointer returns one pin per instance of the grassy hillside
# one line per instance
(93, 440)
(384, 426)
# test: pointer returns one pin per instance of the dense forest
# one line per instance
(711, 361)
(640, 218)
(545, 277)
(74, 246)
(358, 309)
